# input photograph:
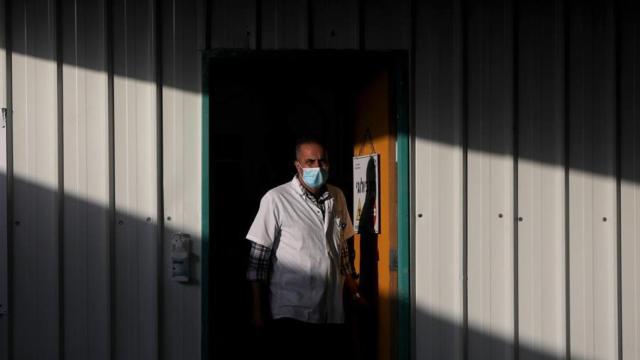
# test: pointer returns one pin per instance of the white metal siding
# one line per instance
(86, 271)
(439, 183)
(35, 305)
(541, 187)
(91, 281)
(335, 24)
(592, 183)
(490, 181)
(233, 24)
(136, 181)
(285, 24)
(464, 75)
(568, 255)
(182, 134)
(386, 25)
(85, 125)
(630, 180)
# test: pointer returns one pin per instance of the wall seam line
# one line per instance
(157, 29)
(465, 175)
(618, 144)
(515, 193)
(258, 22)
(10, 180)
(412, 185)
(567, 151)
(111, 173)
(310, 25)
(361, 25)
(60, 191)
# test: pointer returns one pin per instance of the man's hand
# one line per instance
(354, 292)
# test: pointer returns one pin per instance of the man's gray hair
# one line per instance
(310, 140)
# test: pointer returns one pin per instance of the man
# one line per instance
(299, 261)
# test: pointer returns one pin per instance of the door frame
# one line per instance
(398, 66)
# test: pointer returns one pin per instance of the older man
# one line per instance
(299, 260)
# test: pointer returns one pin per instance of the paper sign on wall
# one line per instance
(366, 193)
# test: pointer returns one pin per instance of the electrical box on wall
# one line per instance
(180, 254)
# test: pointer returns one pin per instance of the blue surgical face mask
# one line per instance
(315, 178)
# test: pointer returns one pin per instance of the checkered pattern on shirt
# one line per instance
(259, 262)
(260, 255)
(259, 266)
(318, 202)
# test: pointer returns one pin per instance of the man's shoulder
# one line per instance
(279, 191)
(335, 191)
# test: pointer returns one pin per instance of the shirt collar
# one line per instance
(300, 189)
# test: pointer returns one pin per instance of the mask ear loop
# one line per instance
(367, 139)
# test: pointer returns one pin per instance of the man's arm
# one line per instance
(257, 291)
(349, 273)
(258, 275)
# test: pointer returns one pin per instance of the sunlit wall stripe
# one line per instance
(136, 174)
(541, 188)
(629, 92)
(35, 235)
(182, 173)
(86, 182)
(439, 182)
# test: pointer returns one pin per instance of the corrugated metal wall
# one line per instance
(526, 160)
(105, 169)
(526, 168)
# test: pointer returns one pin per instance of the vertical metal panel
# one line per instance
(439, 179)
(201, 24)
(285, 24)
(4, 268)
(386, 24)
(233, 24)
(136, 174)
(592, 181)
(541, 233)
(490, 185)
(86, 182)
(182, 175)
(35, 133)
(335, 24)
(630, 177)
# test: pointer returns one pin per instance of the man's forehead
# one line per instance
(311, 150)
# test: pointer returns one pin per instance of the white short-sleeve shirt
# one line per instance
(306, 283)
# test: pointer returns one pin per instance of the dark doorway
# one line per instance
(260, 103)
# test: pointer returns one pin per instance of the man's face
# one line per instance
(311, 156)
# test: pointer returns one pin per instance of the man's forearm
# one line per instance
(257, 292)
